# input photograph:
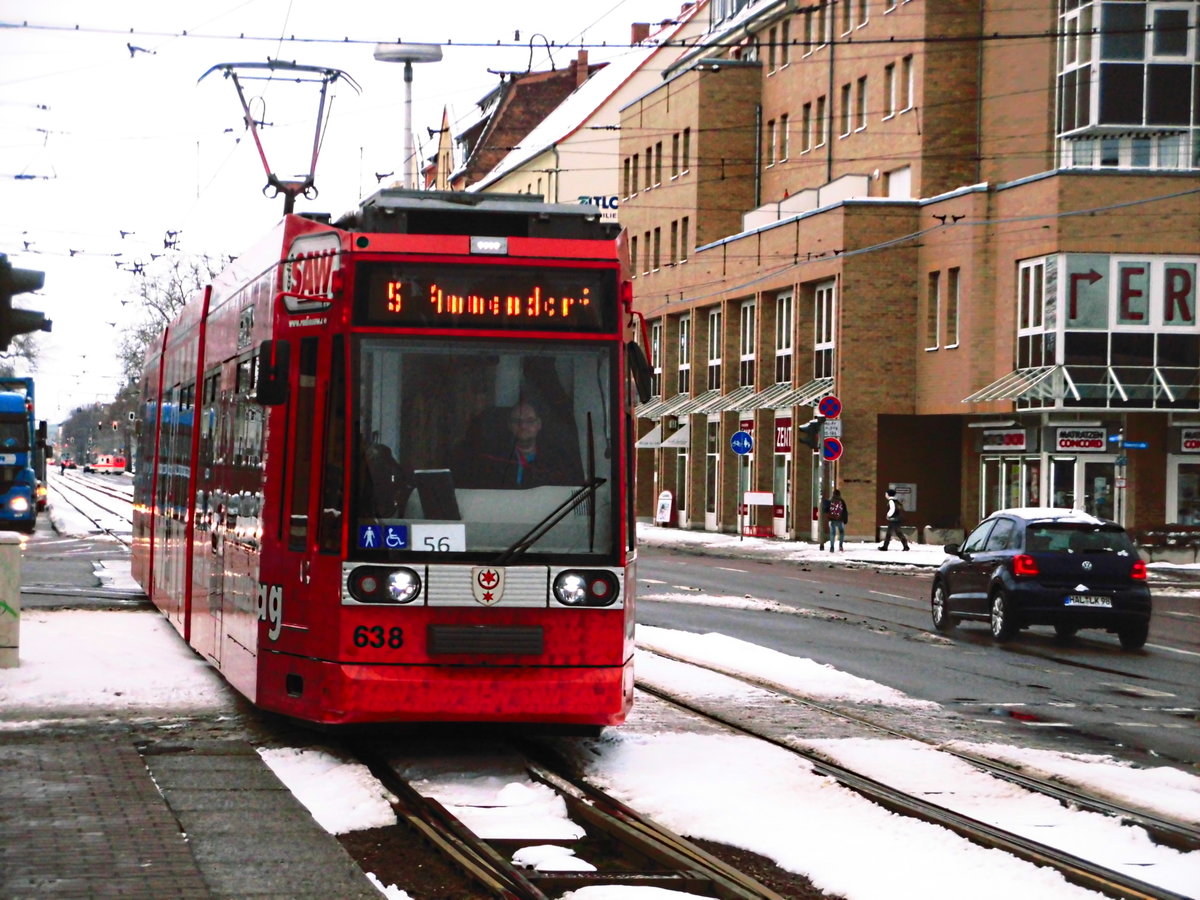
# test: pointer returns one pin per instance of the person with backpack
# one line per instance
(895, 518)
(837, 514)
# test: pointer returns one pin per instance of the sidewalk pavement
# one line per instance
(99, 800)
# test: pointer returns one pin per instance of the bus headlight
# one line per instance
(586, 587)
(19, 504)
(382, 584)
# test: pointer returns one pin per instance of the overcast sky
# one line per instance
(106, 130)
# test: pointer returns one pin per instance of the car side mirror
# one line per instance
(951, 550)
(639, 366)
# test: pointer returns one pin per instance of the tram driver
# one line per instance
(522, 456)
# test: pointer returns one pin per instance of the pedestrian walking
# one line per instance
(837, 514)
(895, 518)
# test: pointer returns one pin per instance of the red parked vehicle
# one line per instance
(340, 507)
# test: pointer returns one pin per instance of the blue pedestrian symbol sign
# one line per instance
(742, 442)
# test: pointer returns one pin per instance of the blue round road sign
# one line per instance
(830, 407)
(741, 442)
(831, 449)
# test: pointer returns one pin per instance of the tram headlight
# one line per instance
(383, 584)
(586, 587)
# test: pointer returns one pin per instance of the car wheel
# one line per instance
(1133, 637)
(1003, 625)
(1064, 631)
(942, 620)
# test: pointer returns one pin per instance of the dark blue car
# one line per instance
(1037, 566)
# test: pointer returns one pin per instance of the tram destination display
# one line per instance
(449, 295)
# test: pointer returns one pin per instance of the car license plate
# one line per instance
(1088, 600)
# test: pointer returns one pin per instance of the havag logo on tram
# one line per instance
(268, 605)
(308, 272)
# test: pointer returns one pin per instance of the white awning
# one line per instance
(651, 440)
(1040, 382)
(698, 404)
(679, 439)
(784, 396)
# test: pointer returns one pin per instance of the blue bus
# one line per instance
(22, 455)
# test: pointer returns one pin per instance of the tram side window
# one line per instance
(334, 467)
(305, 394)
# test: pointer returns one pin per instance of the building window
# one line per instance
(657, 249)
(673, 250)
(649, 167)
(860, 100)
(633, 254)
(785, 42)
(626, 181)
(648, 252)
(714, 349)
(684, 239)
(889, 90)
(847, 16)
(952, 301)
(933, 304)
(906, 82)
(770, 148)
(685, 353)
(1125, 95)
(819, 123)
(864, 7)
(634, 172)
(806, 125)
(656, 334)
(846, 112)
(783, 338)
(712, 465)
(658, 154)
(1031, 315)
(824, 318)
(685, 156)
(747, 340)
(675, 155)
(771, 50)
(783, 137)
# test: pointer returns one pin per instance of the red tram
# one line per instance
(388, 465)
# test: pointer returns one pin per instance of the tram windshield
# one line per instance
(491, 448)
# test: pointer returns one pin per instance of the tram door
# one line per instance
(300, 522)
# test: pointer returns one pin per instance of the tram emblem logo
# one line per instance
(487, 584)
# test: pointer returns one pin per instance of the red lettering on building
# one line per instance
(1177, 288)
(1128, 292)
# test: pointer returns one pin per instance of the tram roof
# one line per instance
(459, 212)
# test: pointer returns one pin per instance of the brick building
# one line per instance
(976, 225)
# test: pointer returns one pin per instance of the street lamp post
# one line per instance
(408, 54)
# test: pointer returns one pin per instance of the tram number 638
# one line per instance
(377, 636)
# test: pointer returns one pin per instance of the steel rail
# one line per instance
(1178, 835)
(1075, 869)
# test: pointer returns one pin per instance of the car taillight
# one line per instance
(1139, 570)
(1025, 565)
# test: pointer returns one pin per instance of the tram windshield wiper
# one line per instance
(556, 515)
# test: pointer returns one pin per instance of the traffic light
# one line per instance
(811, 433)
(18, 321)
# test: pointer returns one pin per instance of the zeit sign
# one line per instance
(1102, 291)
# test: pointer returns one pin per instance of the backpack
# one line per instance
(899, 516)
(837, 509)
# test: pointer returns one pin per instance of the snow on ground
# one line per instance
(725, 788)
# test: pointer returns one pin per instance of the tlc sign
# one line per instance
(1102, 290)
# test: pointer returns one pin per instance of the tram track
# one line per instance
(1085, 873)
(80, 493)
(627, 848)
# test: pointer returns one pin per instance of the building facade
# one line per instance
(977, 226)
